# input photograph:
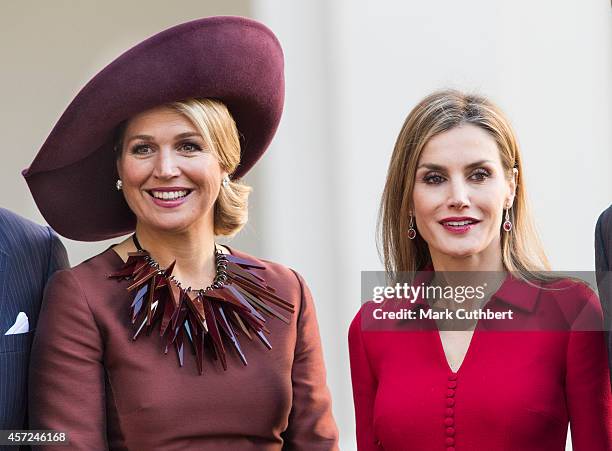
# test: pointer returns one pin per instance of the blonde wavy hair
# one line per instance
(215, 123)
(522, 251)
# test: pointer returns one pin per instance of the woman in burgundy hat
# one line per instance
(168, 340)
(505, 368)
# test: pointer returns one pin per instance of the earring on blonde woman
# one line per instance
(411, 230)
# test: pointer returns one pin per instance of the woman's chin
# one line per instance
(166, 225)
(461, 251)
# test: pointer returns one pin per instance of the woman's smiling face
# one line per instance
(171, 179)
(460, 192)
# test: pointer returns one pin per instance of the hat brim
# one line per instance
(232, 59)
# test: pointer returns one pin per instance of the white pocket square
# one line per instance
(21, 325)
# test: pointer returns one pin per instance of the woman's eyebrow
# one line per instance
(143, 137)
(432, 166)
(187, 135)
(478, 163)
(151, 138)
(438, 167)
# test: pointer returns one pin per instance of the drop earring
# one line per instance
(507, 224)
(119, 184)
(411, 230)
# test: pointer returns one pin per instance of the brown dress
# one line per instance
(89, 379)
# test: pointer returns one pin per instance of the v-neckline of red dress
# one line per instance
(444, 358)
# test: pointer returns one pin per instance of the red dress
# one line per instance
(516, 390)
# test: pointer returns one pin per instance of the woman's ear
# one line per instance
(118, 167)
(512, 185)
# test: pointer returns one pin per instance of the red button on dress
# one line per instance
(449, 421)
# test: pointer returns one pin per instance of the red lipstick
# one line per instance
(459, 224)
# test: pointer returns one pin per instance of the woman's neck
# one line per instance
(490, 259)
(192, 250)
(485, 270)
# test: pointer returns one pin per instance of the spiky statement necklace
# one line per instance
(237, 302)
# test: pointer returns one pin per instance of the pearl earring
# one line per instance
(119, 184)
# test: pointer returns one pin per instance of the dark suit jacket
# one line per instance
(603, 266)
(29, 254)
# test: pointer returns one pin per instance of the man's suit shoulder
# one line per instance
(15, 231)
(604, 223)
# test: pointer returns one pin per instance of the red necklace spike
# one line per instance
(236, 305)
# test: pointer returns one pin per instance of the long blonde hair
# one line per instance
(522, 251)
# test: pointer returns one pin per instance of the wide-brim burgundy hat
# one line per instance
(232, 59)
